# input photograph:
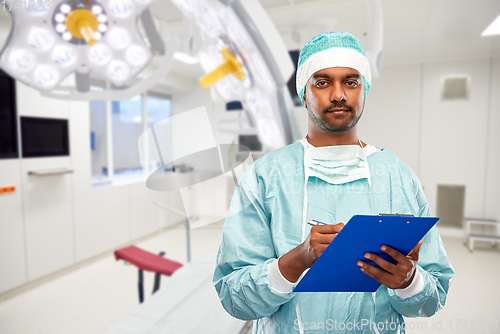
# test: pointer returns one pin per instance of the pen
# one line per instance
(315, 222)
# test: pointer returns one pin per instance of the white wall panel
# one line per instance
(392, 110)
(102, 216)
(102, 220)
(48, 216)
(12, 245)
(48, 209)
(492, 201)
(31, 103)
(144, 213)
(454, 139)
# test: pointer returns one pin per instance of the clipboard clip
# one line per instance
(395, 214)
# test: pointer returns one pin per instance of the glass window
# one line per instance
(159, 108)
(98, 140)
(126, 126)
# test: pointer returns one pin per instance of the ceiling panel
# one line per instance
(406, 14)
(404, 45)
(457, 41)
(447, 12)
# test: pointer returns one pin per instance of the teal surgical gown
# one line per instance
(264, 222)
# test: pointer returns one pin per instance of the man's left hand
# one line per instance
(394, 276)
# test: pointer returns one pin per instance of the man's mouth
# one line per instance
(338, 110)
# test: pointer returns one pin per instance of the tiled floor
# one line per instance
(92, 298)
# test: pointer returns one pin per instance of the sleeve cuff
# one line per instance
(415, 286)
(278, 282)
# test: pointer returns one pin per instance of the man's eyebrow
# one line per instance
(352, 75)
(326, 76)
(321, 75)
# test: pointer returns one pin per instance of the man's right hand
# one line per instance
(293, 263)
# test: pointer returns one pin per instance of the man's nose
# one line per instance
(337, 93)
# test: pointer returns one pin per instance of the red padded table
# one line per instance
(147, 261)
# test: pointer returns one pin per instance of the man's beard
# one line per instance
(325, 127)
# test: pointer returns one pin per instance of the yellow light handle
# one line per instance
(217, 74)
(82, 23)
(87, 33)
(230, 66)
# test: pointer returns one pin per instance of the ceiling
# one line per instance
(414, 31)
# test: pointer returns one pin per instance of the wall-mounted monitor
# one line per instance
(44, 137)
(8, 118)
(291, 83)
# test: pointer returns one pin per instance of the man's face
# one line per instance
(334, 98)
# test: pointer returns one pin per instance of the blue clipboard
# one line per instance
(336, 269)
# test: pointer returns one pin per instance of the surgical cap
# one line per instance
(331, 49)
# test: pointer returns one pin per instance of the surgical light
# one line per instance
(96, 9)
(118, 38)
(61, 28)
(67, 36)
(60, 17)
(493, 29)
(136, 55)
(63, 55)
(121, 8)
(100, 54)
(65, 8)
(22, 60)
(46, 76)
(118, 70)
(84, 37)
(102, 18)
(40, 39)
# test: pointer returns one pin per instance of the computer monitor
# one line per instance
(8, 118)
(44, 137)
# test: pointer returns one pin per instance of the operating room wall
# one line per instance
(53, 222)
(444, 142)
(492, 199)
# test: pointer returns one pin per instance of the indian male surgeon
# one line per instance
(329, 175)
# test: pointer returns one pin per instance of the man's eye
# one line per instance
(320, 83)
(352, 83)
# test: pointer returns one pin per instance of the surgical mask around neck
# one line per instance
(337, 164)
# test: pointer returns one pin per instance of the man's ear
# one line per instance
(304, 99)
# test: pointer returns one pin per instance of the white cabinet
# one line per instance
(144, 214)
(48, 212)
(12, 244)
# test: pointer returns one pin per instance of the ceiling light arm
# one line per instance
(374, 52)
(155, 42)
(82, 81)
